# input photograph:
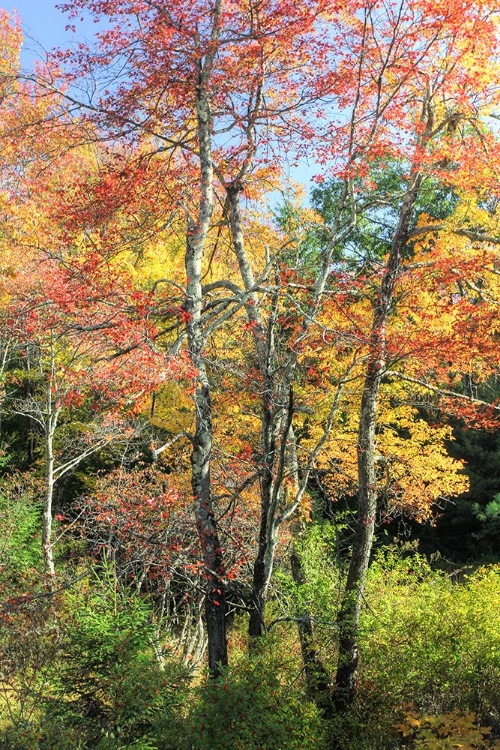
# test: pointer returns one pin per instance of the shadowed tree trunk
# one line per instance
(317, 680)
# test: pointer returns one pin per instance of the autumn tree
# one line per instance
(80, 335)
(189, 99)
(433, 97)
(67, 364)
(357, 87)
(380, 123)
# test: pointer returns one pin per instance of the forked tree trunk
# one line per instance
(276, 405)
(275, 420)
(264, 348)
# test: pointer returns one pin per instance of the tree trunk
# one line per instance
(215, 605)
(363, 539)
(50, 425)
(262, 572)
(277, 418)
(263, 565)
(348, 619)
(48, 560)
(247, 275)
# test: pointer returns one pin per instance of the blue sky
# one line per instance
(44, 23)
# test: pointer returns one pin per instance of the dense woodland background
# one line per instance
(249, 437)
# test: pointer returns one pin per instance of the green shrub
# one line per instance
(29, 648)
(20, 521)
(319, 595)
(430, 639)
(109, 690)
(426, 639)
(250, 708)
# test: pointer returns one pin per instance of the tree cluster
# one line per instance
(198, 366)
